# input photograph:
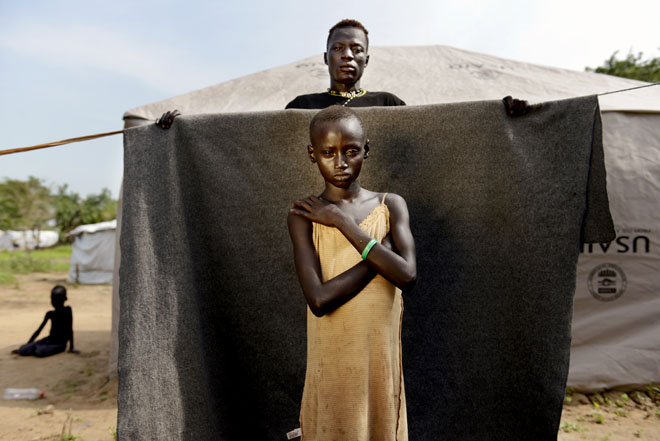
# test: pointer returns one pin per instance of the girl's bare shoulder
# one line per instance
(396, 204)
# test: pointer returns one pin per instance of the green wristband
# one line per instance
(368, 248)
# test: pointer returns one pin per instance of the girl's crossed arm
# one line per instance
(398, 267)
(322, 298)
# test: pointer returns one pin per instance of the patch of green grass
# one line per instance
(621, 412)
(72, 384)
(598, 418)
(654, 393)
(7, 279)
(606, 437)
(113, 432)
(572, 427)
(37, 261)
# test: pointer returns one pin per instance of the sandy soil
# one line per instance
(76, 386)
(78, 389)
(614, 416)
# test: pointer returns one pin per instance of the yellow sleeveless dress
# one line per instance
(354, 381)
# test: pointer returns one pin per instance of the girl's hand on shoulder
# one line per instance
(317, 210)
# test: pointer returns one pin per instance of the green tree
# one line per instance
(71, 210)
(631, 67)
(28, 205)
(25, 205)
(67, 210)
(98, 207)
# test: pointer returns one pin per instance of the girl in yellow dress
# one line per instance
(354, 253)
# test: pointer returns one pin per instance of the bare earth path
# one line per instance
(77, 385)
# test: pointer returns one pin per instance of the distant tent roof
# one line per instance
(433, 74)
(93, 228)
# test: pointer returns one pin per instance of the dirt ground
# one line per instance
(78, 389)
(76, 386)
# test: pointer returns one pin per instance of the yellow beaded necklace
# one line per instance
(350, 95)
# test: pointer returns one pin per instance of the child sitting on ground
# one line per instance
(354, 253)
(61, 329)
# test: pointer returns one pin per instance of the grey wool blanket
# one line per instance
(212, 327)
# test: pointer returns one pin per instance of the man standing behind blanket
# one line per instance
(346, 57)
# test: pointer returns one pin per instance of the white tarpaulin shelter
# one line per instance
(6, 241)
(93, 253)
(617, 305)
(27, 240)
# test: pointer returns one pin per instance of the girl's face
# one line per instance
(338, 150)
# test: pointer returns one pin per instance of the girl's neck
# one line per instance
(336, 194)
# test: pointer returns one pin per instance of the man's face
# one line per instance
(347, 55)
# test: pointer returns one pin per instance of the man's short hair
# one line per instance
(334, 113)
(348, 23)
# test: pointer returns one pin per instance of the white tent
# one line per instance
(617, 307)
(93, 253)
(27, 240)
(6, 241)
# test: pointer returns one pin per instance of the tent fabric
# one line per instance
(6, 241)
(26, 240)
(114, 332)
(416, 74)
(93, 253)
(617, 317)
(93, 228)
(212, 319)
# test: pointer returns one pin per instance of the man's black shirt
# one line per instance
(323, 100)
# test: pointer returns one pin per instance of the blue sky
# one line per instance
(71, 68)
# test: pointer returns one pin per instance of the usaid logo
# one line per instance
(607, 282)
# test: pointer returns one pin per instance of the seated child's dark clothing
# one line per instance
(42, 348)
(61, 330)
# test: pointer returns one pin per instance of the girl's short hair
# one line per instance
(334, 113)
